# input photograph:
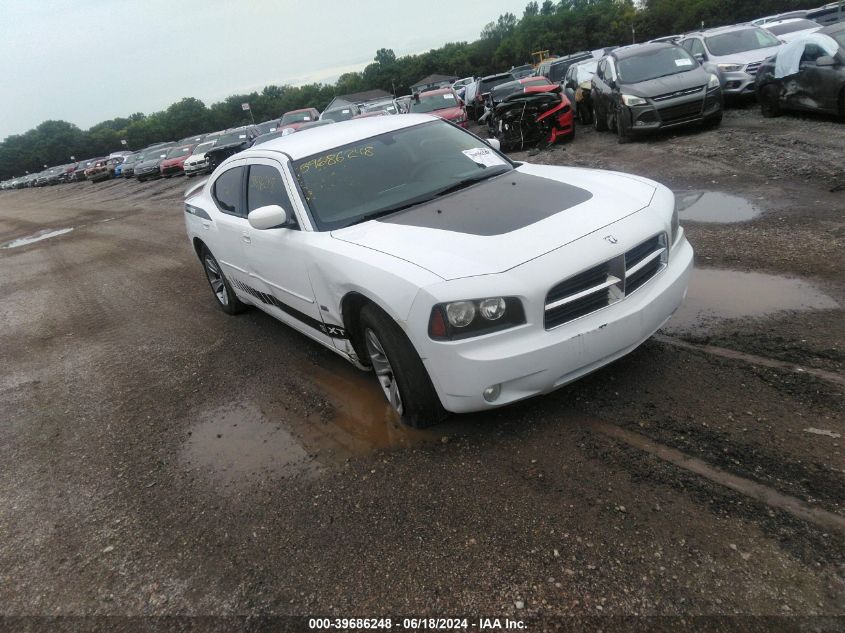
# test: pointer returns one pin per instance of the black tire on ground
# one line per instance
(599, 121)
(420, 404)
(622, 135)
(584, 114)
(770, 101)
(714, 121)
(220, 287)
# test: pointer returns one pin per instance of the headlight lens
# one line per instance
(460, 313)
(492, 309)
(712, 82)
(474, 317)
(631, 100)
(730, 68)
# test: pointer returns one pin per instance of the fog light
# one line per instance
(492, 393)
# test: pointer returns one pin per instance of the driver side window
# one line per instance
(265, 186)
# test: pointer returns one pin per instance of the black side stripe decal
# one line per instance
(335, 331)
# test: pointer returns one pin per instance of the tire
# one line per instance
(770, 101)
(399, 370)
(220, 287)
(584, 112)
(713, 122)
(622, 136)
(599, 121)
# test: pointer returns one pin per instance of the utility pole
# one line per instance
(633, 35)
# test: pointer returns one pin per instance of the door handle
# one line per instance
(245, 237)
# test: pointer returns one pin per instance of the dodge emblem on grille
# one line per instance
(611, 239)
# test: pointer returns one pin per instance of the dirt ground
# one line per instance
(161, 458)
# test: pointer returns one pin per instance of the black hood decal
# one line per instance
(500, 205)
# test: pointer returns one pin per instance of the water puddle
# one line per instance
(36, 237)
(714, 206)
(240, 441)
(716, 295)
(281, 438)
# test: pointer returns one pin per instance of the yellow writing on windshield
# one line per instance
(336, 158)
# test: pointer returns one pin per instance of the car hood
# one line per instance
(195, 158)
(503, 222)
(746, 57)
(174, 161)
(671, 83)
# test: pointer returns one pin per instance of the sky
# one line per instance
(87, 61)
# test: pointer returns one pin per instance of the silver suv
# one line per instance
(733, 53)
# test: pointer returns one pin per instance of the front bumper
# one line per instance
(172, 169)
(672, 112)
(196, 168)
(529, 360)
(738, 82)
(149, 172)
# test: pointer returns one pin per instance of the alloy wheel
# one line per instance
(383, 370)
(215, 278)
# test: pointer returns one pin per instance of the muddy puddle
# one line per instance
(714, 206)
(268, 439)
(717, 295)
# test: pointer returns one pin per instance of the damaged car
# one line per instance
(578, 85)
(807, 74)
(647, 87)
(536, 116)
(443, 103)
(232, 142)
(413, 249)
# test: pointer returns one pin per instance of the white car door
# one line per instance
(231, 228)
(279, 258)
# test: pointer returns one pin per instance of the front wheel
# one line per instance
(622, 135)
(399, 370)
(599, 121)
(226, 297)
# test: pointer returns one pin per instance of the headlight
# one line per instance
(730, 68)
(713, 82)
(474, 317)
(630, 100)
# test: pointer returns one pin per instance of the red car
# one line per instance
(561, 116)
(174, 163)
(297, 118)
(444, 103)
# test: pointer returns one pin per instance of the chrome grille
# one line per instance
(753, 67)
(605, 284)
(678, 93)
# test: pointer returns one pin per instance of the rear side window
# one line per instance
(228, 190)
(265, 186)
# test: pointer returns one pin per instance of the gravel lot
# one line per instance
(160, 458)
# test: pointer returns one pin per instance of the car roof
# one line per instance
(635, 49)
(784, 21)
(725, 29)
(323, 138)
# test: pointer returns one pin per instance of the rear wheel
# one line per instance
(226, 297)
(770, 101)
(399, 370)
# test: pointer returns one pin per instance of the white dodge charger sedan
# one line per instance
(413, 248)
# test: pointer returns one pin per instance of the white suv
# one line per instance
(412, 247)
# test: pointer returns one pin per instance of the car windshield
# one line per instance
(539, 81)
(380, 105)
(297, 117)
(204, 147)
(485, 85)
(392, 171)
(584, 72)
(131, 159)
(740, 41)
(267, 127)
(176, 152)
(652, 63)
(791, 27)
(340, 114)
(238, 136)
(153, 154)
(432, 102)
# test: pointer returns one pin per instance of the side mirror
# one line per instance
(699, 57)
(270, 217)
(494, 143)
(825, 60)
